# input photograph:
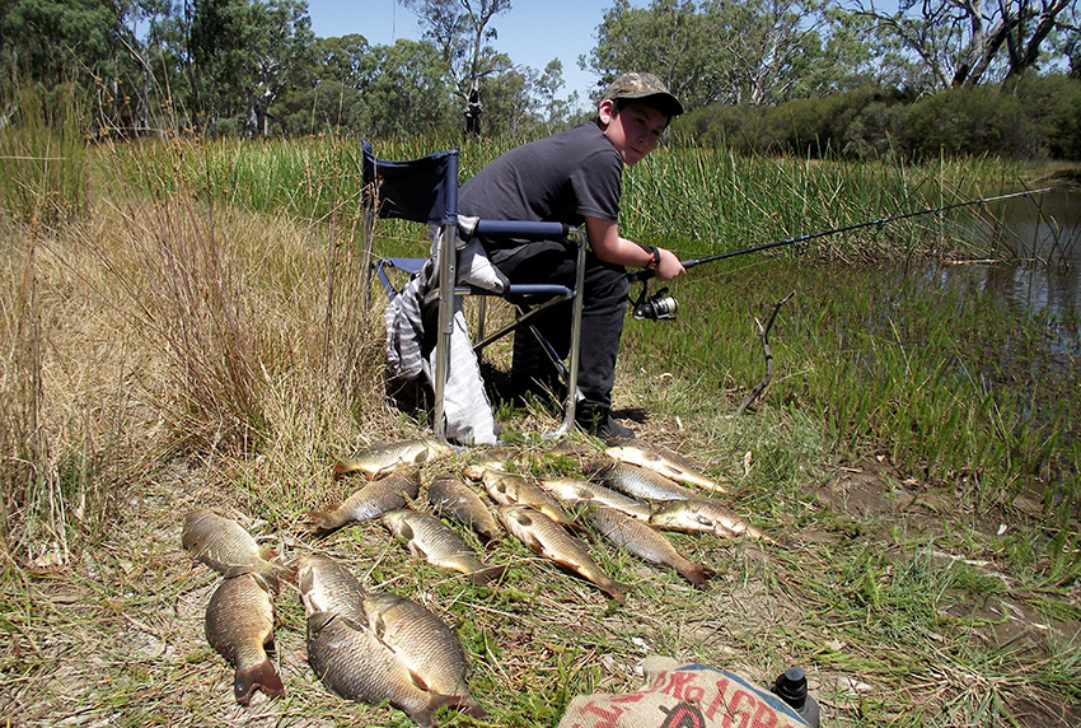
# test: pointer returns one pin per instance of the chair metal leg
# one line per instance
(447, 277)
(576, 342)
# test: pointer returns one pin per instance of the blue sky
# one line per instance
(532, 32)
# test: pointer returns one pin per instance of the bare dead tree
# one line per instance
(957, 41)
(763, 335)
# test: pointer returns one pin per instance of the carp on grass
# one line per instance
(698, 515)
(383, 458)
(451, 497)
(424, 644)
(227, 548)
(373, 500)
(643, 483)
(239, 624)
(548, 539)
(508, 489)
(327, 586)
(669, 465)
(646, 543)
(351, 661)
(428, 538)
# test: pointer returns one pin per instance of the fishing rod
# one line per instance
(663, 306)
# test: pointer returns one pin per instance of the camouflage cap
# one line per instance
(644, 87)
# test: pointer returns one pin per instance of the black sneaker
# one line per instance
(598, 421)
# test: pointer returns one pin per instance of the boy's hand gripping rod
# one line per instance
(663, 306)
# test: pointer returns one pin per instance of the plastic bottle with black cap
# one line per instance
(791, 687)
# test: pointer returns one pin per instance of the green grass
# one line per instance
(198, 339)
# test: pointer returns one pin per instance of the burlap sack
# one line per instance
(688, 696)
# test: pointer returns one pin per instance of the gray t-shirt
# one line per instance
(560, 178)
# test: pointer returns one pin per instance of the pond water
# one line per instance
(1042, 234)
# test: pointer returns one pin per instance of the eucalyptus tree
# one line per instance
(462, 31)
(238, 57)
(950, 43)
(409, 90)
(747, 51)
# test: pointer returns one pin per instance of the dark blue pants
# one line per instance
(604, 304)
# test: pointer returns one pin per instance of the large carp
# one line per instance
(707, 516)
(373, 500)
(239, 624)
(510, 489)
(644, 484)
(646, 543)
(548, 539)
(382, 458)
(327, 586)
(424, 644)
(451, 497)
(351, 661)
(667, 464)
(428, 538)
(227, 548)
(582, 492)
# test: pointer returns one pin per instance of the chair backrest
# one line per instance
(421, 190)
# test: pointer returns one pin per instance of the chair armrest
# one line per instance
(522, 229)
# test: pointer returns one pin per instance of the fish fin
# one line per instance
(287, 573)
(465, 703)
(486, 575)
(261, 677)
(341, 470)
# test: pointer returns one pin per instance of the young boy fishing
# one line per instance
(575, 177)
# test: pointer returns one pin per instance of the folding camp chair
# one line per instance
(425, 190)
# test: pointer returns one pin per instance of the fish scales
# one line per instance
(548, 539)
(379, 459)
(638, 482)
(226, 547)
(328, 586)
(450, 496)
(387, 493)
(670, 465)
(424, 644)
(239, 623)
(646, 543)
(351, 661)
(430, 539)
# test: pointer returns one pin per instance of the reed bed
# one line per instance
(197, 336)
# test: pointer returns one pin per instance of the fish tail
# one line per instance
(280, 572)
(261, 677)
(696, 574)
(616, 591)
(486, 575)
(324, 521)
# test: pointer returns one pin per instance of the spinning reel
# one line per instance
(661, 305)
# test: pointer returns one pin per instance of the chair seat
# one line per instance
(413, 265)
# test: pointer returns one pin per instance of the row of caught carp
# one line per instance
(375, 647)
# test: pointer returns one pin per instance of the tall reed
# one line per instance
(43, 156)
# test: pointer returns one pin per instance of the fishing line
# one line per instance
(663, 306)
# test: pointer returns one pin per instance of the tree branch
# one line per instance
(763, 334)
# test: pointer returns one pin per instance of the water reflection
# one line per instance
(1043, 235)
